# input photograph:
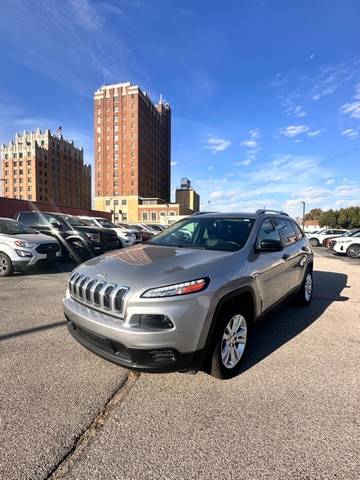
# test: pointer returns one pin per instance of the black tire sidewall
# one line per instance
(9, 269)
(315, 240)
(347, 251)
(302, 298)
(218, 369)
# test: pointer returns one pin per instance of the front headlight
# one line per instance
(177, 289)
(94, 237)
(22, 243)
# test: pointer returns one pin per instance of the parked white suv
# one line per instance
(126, 238)
(317, 239)
(349, 245)
(22, 247)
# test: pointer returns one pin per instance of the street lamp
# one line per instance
(303, 215)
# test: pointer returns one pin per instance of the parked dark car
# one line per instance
(77, 239)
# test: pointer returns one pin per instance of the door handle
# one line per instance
(285, 256)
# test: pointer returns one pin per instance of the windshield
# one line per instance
(11, 227)
(224, 234)
(73, 221)
(106, 224)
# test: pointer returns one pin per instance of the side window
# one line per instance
(298, 231)
(287, 231)
(29, 218)
(268, 231)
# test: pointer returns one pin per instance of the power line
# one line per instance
(335, 157)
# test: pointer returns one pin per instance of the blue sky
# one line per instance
(261, 91)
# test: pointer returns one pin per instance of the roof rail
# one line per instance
(262, 211)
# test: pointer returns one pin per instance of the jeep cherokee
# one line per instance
(187, 299)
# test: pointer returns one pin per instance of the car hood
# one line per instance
(30, 237)
(151, 265)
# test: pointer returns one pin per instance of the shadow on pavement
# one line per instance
(287, 321)
(62, 266)
(27, 331)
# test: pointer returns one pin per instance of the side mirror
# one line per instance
(56, 225)
(269, 246)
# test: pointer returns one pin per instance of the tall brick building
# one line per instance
(132, 149)
(40, 166)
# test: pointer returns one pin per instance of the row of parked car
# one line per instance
(34, 237)
(340, 241)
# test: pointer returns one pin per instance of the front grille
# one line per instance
(48, 247)
(98, 294)
(109, 237)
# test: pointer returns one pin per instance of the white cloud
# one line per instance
(210, 167)
(352, 109)
(294, 130)
(173, 163)
(253, 147)
(217, 144)
(351, 133)
(330, 181)
(249, 143)
(314, 133)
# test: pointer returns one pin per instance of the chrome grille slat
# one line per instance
(85, 290)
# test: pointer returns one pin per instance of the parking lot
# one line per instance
(292, 413)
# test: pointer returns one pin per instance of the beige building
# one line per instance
(43, 167)
(186, 196)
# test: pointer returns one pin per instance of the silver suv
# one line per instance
(188, 298)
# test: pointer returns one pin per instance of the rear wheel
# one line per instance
(353, 251)
(306, 291)
(6, 266)
(230, 344)
(314, 242)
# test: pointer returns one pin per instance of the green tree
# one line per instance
(313, 214)
(329, 219)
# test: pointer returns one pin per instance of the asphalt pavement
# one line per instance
(293, 413)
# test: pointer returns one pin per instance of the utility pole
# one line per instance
(209, 204)
(303, 215)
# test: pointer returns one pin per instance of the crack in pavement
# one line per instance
(83, 441)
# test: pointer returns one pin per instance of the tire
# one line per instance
(353, 251)
(6, 266)
(314, 242)
(235, 325)
(304, 296)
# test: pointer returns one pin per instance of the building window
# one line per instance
(124, 202)
(116, 119)
(107, 203)
(144, 216)
(162, 214)
(172, 214)
(116, 146)
(153, 216)
(116, 138)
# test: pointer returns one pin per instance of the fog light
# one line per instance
(152, 321)
(22, 253)
(163, 356)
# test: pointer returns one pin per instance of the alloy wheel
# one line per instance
(3, 264)
(233, 341)
(308, 287)
(354, 251)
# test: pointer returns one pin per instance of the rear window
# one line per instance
(29, 218)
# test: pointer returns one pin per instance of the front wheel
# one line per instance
(306, 291)
(6, 266)
(353, 251)
(231, 339)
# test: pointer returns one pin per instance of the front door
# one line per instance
(270, 268)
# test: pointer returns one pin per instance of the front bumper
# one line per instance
(37, 258)
(163, 360)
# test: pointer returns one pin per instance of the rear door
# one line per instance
(271, 275)
(292, 254)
